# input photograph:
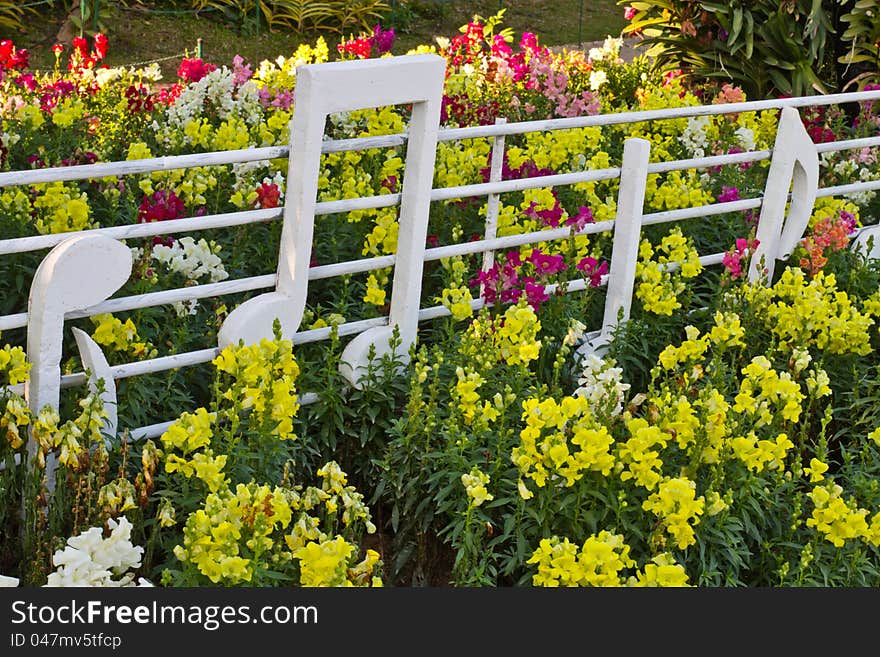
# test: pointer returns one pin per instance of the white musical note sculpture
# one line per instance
(78, 273)
(868, 242)
(95, 364)
(625, 247)
(795, 165)
(323, 89)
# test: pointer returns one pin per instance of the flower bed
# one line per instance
(728, 436)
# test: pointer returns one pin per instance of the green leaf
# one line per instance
(737, 25)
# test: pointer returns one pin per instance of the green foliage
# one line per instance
(12, 14)
(766, 47)
(299, 16)
(862, 36)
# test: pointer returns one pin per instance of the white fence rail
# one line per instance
(68, 285)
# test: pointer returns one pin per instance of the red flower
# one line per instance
(360, 47)
(268, 195)
(12, 57)
(161, 205)
(81, 46)
(193, 70)
(100, 45)
(139, 99)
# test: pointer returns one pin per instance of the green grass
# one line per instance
(140, 33)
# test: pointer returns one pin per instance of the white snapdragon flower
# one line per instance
(601, 383)
(151, 72)
(89, 559)
(193, 260)
(746, 138)
(694, 138)
(104, 76)
(597, 79)
(612, 46)
(219, 92)
(9, 139)
(575, 333)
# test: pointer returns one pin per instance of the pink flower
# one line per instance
(528, 41)
(500, 47)
(629, 13)
(241, 71)
(734, 258)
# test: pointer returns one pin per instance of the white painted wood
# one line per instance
(147, 165)
(625, 248)
(746, 157)
(787, 236)
(423, 86)
(78, 273)
(83, 172)
(520, 184)
(496, 168)
(473, 132)
(867, 242)
(169, 227)
(416, 79)
(848, 144)
(795, 164)
(850, 188)
(668, 216)
(95, 363)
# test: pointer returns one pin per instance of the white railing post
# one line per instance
(78, 273)
(323, 89)
(625, 247)
(795, 165)
(493, 200)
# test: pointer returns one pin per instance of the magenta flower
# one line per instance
(500, 47)
(551, 217)
(581, 219)
(545, 264)
(513, 258)
(535, 294)
(593, 271)
(528, 41)
(382, 40)
(728, 194)
(161, 205)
